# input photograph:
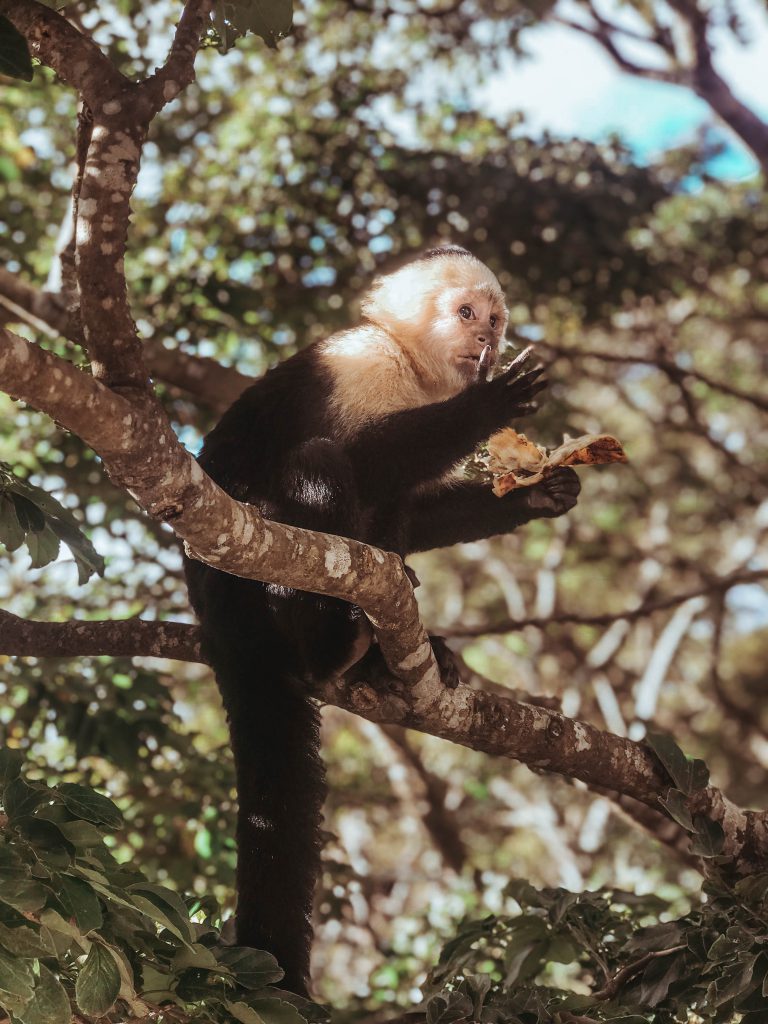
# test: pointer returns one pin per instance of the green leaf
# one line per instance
(658, 976)
(43, 547)
(10, 765)
(91, 806)
(197, 956)
(688, 775)
(20, 799)
(39, 498)
(50, 845)
(127, 989)
(242, 1012)
(98, 983)
(11, 532)
(15, 976)
(444, 1009)
(253, 968)
(81, 903)
(266, 1011)
(56, 923)
(81, 833)
(35, 510)
(735, 982)
(149, 907)
(709, 839)
(677, 808)
(25, 894)
(24, 941)
(270, 19)
(87, 559)
(14, 52)
(31, 518)
(49, 1004)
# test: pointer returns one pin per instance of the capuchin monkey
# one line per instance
(357, 435)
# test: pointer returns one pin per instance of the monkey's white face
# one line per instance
(465, 322)
(441, 313)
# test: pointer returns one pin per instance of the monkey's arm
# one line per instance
(405, 449)
(471, 511)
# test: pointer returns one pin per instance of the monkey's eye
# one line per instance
(466, 312)
(493, 320)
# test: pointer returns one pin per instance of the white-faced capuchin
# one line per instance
(357, 436)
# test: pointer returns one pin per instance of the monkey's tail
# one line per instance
(275, 733)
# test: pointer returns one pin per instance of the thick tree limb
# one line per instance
(205, 379)
(118, 415)
(75, 58)
(179, 69)
(142, 454)
(487, 722)
(125, 638)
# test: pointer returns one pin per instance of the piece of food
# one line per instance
(514, 461)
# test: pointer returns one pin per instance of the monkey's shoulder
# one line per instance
(370, 377)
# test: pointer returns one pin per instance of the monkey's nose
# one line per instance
(481, 339)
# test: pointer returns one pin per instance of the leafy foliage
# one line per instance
(14, 52)
(608, 956)
(79, 932)
(233, 19)
(272, 193)
(30, 516)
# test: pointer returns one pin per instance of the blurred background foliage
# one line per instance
(270, 193)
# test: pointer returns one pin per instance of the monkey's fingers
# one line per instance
(526, 388)
(525, 409)
(484, 364)
(526, 378)
(520, 360)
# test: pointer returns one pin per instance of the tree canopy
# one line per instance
(596, 647)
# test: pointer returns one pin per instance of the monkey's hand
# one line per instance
(512, 393)
(553, 496)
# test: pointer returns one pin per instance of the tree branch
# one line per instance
(696, 72)
(118, 415)
(646, 608)
(602, 34)
(75, 58)
(142, 454)
(439, 823)
(126, 638)
(487, 722)
(179, 69)
(205, 379)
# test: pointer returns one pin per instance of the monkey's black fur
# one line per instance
(280, 449)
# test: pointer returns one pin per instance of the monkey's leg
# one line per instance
(274, 730)
(471, 511)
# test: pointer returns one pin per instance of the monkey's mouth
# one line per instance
(468, 366)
